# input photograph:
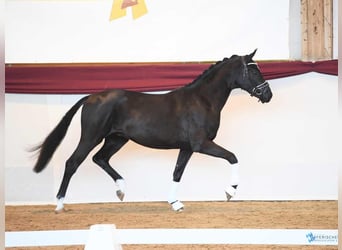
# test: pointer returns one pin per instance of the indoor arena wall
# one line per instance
(287, 149)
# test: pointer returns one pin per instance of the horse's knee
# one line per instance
(232, 159)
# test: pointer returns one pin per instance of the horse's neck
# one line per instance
(217, 96)
(216, 91)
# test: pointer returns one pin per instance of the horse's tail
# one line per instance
(52, 141)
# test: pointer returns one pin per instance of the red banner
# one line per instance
(90, 78)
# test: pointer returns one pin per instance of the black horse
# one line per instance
(186, 118)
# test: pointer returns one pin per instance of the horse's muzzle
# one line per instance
(262, 92)
(266, 95)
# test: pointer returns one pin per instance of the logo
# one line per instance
(321, 238)
(119, 8)
(310, 237)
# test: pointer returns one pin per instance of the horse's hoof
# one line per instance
(228, 196)
(60, 211)
(180, 210)
(120, 195)
(177, 206)
(230, 192)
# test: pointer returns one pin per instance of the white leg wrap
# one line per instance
(120, 183)
(121, 189)
(234, 182)
(172, 199)
(60, 205)
(177, 206)
(173, 192)
(231, 191)
(235, 179)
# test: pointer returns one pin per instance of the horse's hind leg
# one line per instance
(234, 182)
(71, 166)
(112, 144)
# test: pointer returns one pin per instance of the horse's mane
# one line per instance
(209, 71)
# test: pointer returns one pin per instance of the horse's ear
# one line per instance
(250, 56)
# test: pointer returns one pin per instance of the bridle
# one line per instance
(259, 89)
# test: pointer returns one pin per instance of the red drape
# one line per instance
(90, 78)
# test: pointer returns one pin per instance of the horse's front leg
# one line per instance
(183, 158)
(210, 148)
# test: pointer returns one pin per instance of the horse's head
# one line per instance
(252, 80)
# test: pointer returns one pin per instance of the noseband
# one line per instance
(257, 90)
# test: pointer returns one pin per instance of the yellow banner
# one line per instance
(139, 10)
(119, 8)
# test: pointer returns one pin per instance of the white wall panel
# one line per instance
(177, 30)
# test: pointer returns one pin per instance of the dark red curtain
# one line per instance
(90, 78)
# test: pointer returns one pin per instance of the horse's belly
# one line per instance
(161, 144)
(158, 137)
